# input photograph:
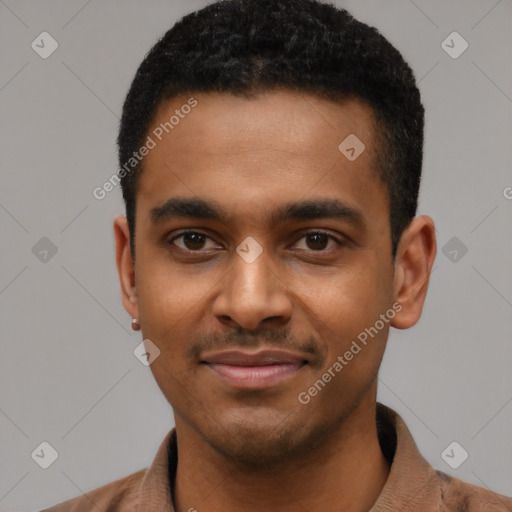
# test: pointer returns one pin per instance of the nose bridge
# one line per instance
(252, 291)
(251, 275)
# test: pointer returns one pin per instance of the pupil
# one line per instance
(193, 240)
(319, 241)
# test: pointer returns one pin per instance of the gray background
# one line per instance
(67, 372)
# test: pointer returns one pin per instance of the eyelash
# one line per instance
(339, 242)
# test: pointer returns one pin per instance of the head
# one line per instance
(244, 108)
(246, 48)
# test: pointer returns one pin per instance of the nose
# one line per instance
(252, 295)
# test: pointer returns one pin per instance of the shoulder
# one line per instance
(120, 495)
(457, 495)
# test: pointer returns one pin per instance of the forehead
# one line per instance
(304, 122)
(277, 146)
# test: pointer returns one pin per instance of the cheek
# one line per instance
(345, 301)
(169, 295)
(353, 344)
(344, 312)
(171, 310)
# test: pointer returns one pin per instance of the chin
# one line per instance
(265, 440)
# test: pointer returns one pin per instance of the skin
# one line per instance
(261, 450)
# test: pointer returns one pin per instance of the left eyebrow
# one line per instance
(318, 209)
(197, 208)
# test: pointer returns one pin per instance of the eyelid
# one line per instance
(185, 232)
(340, 240)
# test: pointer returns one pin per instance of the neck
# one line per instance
(344, 474)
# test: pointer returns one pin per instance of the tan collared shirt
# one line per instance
(412, 485)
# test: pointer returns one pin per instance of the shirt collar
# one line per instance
(407, 486)
(407, 483)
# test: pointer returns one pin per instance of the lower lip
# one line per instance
(256, 377)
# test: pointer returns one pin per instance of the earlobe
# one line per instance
(125, 266)
(413, 264)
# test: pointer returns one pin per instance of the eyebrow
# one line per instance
(196, 208)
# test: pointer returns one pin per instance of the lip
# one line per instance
(255, 370)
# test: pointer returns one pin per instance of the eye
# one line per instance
(319, 240)
(192, 241)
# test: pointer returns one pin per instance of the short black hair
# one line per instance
(251, 46)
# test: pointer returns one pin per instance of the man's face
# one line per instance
(321, 278)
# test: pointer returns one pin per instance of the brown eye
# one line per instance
(191, 241)
(317, 241)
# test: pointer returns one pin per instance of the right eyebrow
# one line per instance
(188, 208)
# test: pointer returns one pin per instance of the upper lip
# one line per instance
(259, 358)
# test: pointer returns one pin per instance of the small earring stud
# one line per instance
(135, 324)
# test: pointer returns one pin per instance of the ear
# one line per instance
(413, 263)
(125, 266)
